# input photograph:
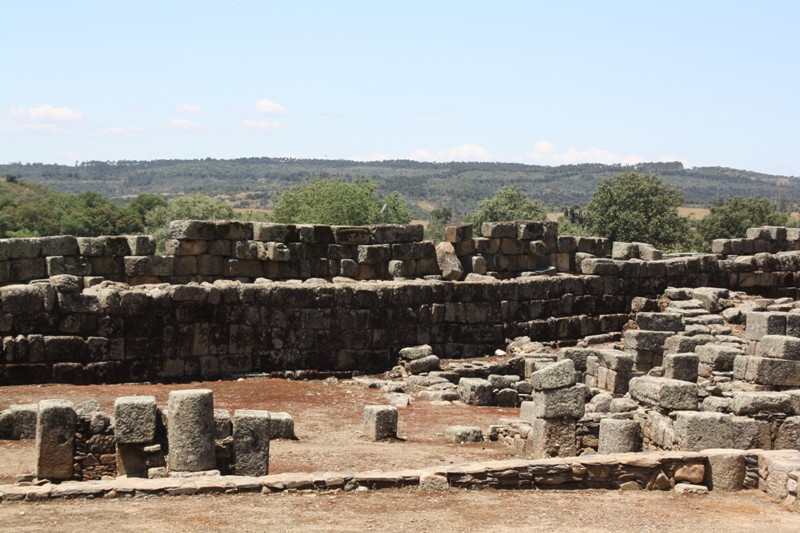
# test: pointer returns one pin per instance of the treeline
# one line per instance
(257, 182)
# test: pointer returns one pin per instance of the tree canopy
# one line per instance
(730, 218)
(508, 203)
(333, 201)
(636, 207)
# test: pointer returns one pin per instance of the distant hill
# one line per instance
(254, 182)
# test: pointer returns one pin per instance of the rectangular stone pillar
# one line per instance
(380, 422)
(55, 439)
(251, 442)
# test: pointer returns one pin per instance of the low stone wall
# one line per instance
(776, 473)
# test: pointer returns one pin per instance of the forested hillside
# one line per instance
(254, 182)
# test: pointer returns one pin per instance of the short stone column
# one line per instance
(55, 439)
(380, 422)
(618, 436)
(251, 442)
(190, 430)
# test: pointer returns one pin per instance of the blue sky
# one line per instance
(703, 82)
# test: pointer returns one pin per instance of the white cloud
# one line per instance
(268, 107)
(122, 130)
(545, 152)
(261, 124)
(465, 152)
(45, 113)
(181, 124)
(190, 109)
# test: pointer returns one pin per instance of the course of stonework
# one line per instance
(634, 371)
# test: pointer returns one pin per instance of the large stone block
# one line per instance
(752, 403)
(667, 394)
(751, 434)
(424, 364)
(281, 426)
(191, 430)
(779, 346)
(448, 262)
(551, 438)
(660, 321)
(726, 469)
(682, 366)
(568, 402)
(380, 422)
(475, 391)
(766, 371)
(685, 343)
(788, 437)
(615, 360)
(555, 376)
(462, 434)
(760, 324)
(698, 430)
(55, 439)
(646, 340)
(618, 436)
(716, 358)
(251, 434)
(24, 420)
(135, 419)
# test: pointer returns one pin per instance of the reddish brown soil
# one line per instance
(327, 423)
(327, 418)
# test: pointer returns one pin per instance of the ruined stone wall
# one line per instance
(82, 325)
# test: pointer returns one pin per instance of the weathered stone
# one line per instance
(660, 321)
(716, 358)
(555, 376)
(191, 430)
(767, 371)
(690, 488)
(251, 434)
(380, 422)
(415, 352)
(424, 364)
(281, 426)
(55, 437)
(779, 346)
(760, 324)
(499, 381)
(433, 483)
(507, 397)
(135, 419)
(618, 436)
(475, 391)
(726, 469)
(458, 232)
(788, 437)
(448, 262)
(681, 366)
(551, 438)
(223, 424)
(24, 416)
(558, 403)
(751, 403)
(462, 434)
(698, 430)
(668, 394)
(651, 341)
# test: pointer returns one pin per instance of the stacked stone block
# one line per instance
(609, 370)
(55, 438)
(556, 405)
(134, 429)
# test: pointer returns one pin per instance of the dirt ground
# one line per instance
(327, 418)
(327, 422)
(409, 510)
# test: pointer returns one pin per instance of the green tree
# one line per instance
(440, 218)
(637, 207)
(730, 218)
(332, 201)
(192, 207)
(508, 203)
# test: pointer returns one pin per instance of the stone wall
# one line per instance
(91, 321)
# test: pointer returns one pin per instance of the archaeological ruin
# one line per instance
(627, 368)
